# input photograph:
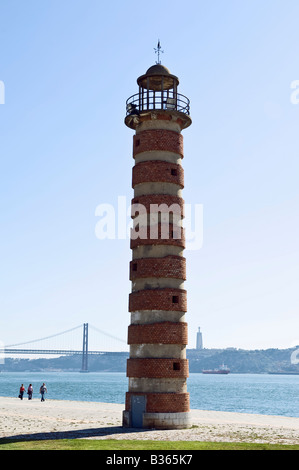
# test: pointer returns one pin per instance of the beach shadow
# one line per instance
(74, 434)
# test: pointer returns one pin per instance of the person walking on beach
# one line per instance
(22, 390)
(42, 391)
(30, 392)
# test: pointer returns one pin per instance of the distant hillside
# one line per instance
(238, 360)
(243, 361)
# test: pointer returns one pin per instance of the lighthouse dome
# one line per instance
(158, 69)
(158, 78)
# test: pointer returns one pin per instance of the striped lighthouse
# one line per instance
(157, 368)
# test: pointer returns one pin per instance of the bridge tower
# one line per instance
(157, 368)
(85, 349)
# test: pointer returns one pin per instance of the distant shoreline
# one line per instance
(239, 361)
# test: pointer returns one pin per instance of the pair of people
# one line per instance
(42, 391)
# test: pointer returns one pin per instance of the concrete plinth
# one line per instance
(160, 420)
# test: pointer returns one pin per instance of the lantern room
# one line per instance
(158, 90)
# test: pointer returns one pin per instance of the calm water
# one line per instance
(243, 393)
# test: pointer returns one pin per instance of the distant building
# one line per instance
(199, 339)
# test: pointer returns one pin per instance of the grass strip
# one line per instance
(114, 445)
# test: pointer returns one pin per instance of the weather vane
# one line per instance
(158, 51)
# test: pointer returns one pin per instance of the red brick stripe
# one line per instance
(157, 232)
(158, 139)
(158, 333)
(172, 300)
(157, 368)
(162, 402)
(169, 267)
(153, 171)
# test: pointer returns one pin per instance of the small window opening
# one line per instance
(137, 143)
(176, 366)
(134, 267)
(174, 172)
(175, 299)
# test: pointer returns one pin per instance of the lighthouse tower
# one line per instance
(157, 368)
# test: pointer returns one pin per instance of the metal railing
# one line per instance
(151, 100)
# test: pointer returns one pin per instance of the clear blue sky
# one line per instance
(68, 67)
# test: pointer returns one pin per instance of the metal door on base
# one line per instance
(138, 407)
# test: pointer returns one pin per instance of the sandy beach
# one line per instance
(57, 419)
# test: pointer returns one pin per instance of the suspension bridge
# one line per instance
(85, 351)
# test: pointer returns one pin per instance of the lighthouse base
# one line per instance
(157, 420)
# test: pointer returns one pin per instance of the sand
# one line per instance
(57, 419)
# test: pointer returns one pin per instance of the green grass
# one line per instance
(110, 444)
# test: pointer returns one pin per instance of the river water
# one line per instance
(241, 393)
